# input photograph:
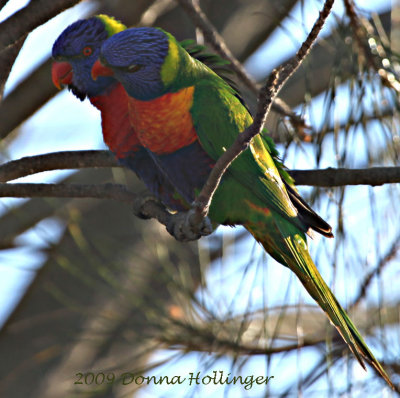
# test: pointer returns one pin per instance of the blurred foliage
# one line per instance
(117, 294)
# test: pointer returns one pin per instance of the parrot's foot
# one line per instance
(139, 203)
(183, 228)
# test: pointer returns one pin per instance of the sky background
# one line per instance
(58, 126)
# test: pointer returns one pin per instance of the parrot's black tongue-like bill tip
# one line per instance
(99, 69)
(61, 74)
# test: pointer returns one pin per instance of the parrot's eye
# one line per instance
(134, 68)
(87, 51)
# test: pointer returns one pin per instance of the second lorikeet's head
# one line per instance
(75, 52)
(146, 60)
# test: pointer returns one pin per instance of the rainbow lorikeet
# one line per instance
(187, 116)
(75, 52)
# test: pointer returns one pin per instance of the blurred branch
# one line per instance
(7, 60)
(257, 18)
(99, 191)
(212, 36)
(322, 60)
(30, 17)
(361, 36)
(188, 337)
(144, 206)
(26, 98)
(363, 286)
(293, 64)
(3, 3)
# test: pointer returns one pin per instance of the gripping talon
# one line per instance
(139, 203)
(183, 229)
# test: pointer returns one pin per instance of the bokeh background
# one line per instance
(85, 287)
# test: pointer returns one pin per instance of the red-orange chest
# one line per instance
(118, 133)
(164, 124)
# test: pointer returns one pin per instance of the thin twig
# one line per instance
(391, 253)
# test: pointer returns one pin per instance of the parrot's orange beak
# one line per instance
(99, 69)
(61, 74)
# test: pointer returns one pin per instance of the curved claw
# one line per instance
(183, 229)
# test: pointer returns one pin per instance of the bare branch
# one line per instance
(26, 98)
(68, 160)
(331, 177)
(184, 226)
(30, 17)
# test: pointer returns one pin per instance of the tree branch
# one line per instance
(30, 17)
(68, 160)
(7, 60)
(331, 177)
(183, 226)
(65, 160)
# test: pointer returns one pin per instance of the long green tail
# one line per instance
(289, 248)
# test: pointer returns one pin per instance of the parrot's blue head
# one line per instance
(75, 52)
(138, 58)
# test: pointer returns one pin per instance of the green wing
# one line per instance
(218, 117)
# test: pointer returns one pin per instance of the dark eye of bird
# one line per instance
(87, 51)
(133, 68)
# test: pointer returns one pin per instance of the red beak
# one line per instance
(61, 74)
(98, 69)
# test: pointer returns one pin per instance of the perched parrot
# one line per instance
(187, 116)
(75, 52)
